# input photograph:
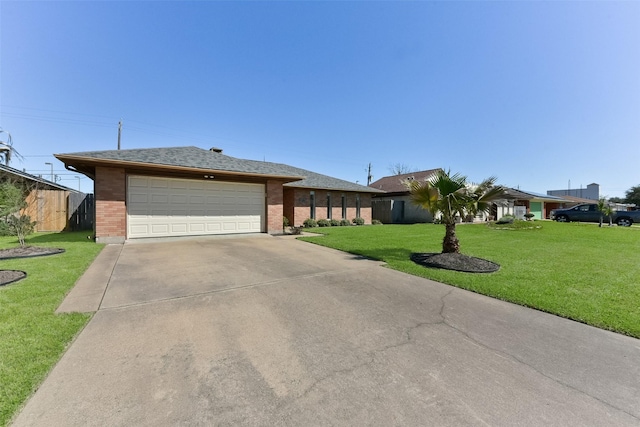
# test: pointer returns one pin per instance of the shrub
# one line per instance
(344, 222)
(507, 219)
(324, 223)
(285, 222)
(310, 223)
(358, 221)
(334, 222)
(20, 226)
(376, 222)
(4, 228)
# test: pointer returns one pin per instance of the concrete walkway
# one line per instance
(273, 331)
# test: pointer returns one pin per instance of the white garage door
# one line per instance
(160, 207)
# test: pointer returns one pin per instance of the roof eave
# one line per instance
(352, 190)
(69, 160)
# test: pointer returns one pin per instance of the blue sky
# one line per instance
(539, 94)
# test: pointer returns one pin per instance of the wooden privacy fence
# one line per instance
(58, 210)
(82, 210)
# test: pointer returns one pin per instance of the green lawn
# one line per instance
(578, 271)
(32, 337)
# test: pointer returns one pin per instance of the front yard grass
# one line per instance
(32, 336)
(578, 271)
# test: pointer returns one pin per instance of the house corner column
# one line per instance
(111, 210)
(274, 207)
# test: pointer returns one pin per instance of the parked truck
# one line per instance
(589, 213)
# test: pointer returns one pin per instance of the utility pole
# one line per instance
(369, 176)
(50, 164)
(119, 132)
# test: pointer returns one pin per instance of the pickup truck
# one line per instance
(589, 213)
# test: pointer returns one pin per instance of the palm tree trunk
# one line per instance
(450, 243)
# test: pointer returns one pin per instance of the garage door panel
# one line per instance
(175, 207)
(158, 198)
(158, 183)
(159, 229)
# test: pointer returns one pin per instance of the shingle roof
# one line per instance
(395, 183)
(316, 180)
(7, 170)
(513, 193)
(208, 160)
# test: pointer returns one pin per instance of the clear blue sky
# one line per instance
(536, 93)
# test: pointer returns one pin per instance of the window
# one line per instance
(328, 205)
(357, 205)
(344, 207)
(312, 205)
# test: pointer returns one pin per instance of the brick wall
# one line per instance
(111, 210)
(275, 206)
(297, 205)
(289, 203)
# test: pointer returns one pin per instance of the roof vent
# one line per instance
(215, 149)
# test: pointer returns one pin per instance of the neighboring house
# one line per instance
(47, 202)
(394, 206)
(519, 202)
(182, 191)
(592, 192)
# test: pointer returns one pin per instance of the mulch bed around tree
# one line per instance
(456, 262)
(10, 276)
(28, 251)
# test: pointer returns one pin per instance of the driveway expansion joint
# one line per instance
(234, 288)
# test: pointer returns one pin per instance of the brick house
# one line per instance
(393, 205)
(182, 191)
(520, 202)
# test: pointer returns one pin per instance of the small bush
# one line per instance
(507, 219)
(358, 221)
(324, 223)
(344, 222)
(285, 222)
(21, 226)
(376, 222)
(310, 223)
(334, 222)
(4, 228)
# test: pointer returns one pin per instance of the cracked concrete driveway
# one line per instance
(273, 331)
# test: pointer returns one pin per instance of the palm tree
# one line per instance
(451, 195)
(605, 209)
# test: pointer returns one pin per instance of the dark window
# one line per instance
(312, 205)
(358, 205)
(329, 206)
(344, 207)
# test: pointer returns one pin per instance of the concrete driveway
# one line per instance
(272, 331)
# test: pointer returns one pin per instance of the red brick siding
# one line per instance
(275, 207)
(289, 203)
(297, 205)
(111, 210)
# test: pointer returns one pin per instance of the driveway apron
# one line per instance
(274, 331)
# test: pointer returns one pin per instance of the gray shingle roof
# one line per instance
(198, 158)
(513, 193)
(9, 171)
